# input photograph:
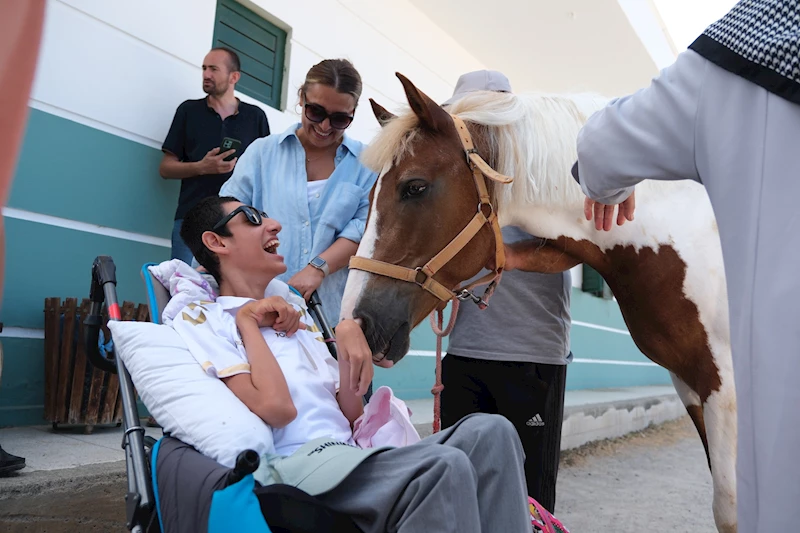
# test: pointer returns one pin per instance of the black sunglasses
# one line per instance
(316, 113)
(254, 216)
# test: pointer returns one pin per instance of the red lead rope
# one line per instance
(440, 334)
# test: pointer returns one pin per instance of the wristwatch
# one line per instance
(320, 264)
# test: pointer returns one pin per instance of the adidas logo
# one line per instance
(535, 421)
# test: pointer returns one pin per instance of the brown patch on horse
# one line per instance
(663, 322)
(696, 414)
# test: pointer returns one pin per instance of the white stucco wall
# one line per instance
(123, 66)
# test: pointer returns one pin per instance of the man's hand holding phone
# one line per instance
(221, 160)
(214, 162)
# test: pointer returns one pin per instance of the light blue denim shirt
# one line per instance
(271, 176)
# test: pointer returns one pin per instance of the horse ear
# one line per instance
(381, 113)
(430, 114)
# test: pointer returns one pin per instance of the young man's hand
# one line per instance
(273, 312)
(354, 352)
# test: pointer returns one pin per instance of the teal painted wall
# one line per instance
(79, 173)
(73, 171)
(414, 375)
(22, 383)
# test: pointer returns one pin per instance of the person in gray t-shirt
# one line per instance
(510, 359)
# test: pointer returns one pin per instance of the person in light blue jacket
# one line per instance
(309, 177)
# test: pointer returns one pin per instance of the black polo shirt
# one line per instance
(197, 129)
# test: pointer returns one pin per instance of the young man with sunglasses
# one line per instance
(310, 178)
(468, 478)
(207, 137)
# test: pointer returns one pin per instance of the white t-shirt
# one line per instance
(209, 331)
(315, 189)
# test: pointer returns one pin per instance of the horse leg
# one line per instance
(715, 420)
(691, 400)
(719, 414)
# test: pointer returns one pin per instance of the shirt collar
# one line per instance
(232, 302)
(353, 146)
(212, 110)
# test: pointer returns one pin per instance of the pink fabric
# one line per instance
(386, 422)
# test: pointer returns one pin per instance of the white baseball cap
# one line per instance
(479, 80)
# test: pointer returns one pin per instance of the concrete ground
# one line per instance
(654, 480)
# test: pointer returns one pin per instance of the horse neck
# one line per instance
(565, 230)
(656, 224)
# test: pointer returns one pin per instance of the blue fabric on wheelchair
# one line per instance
(236, 508)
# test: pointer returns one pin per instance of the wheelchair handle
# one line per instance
(140, 503)
(246, 463)
(103, 289)
(315, 306)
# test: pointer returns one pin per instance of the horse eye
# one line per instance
(414, 189)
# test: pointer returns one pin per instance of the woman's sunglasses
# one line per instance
(316, 113)
(254, 216)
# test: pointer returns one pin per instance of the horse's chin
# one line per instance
(395, 348)
(399, 343)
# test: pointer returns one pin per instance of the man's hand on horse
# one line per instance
(518, 254)
(604, 214)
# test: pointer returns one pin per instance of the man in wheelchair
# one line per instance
(467, 478)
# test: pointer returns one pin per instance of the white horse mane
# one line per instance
(532, 137)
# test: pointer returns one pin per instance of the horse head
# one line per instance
(424, 197)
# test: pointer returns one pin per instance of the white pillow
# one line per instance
(194, 407)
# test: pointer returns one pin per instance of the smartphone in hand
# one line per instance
(229, 143)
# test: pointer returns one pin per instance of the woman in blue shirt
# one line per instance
(309, 177)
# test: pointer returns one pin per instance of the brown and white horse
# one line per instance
(664, 268)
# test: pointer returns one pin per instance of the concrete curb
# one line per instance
(598, 421)
(63, 480)
(588, 423)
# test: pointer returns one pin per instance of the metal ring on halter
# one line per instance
(128, 432)
(416, 280)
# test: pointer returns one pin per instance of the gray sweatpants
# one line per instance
(698, 121)
(467, 478)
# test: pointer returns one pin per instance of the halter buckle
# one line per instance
(466, 294)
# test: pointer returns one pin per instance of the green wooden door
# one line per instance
(261, 47)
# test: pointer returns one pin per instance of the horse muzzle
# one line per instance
(387, 327)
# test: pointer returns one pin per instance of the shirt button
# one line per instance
(306, 222)
(316, 195)
(305, 250)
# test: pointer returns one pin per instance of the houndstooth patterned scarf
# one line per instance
(760, 41)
